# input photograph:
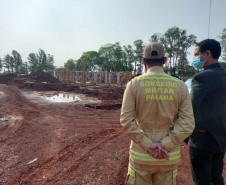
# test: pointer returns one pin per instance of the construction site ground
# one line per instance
(62, 143)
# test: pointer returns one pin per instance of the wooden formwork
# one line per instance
(73, 77)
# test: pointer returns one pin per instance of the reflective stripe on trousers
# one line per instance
(174, 173)
(147, 157)
(131, 172)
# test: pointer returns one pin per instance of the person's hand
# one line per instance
(158, 151)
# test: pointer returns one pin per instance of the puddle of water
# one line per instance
(89, 98)
(2, 94)
(65, 97)
(59, 97)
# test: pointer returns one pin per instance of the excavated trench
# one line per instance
(50, 89)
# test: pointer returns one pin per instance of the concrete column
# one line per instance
(73, 76)
(106, 77)
(64, 76)
(100, 77)
(77, 76)
(109, 78)
(118, 77)
(95, 77)
(68, 76)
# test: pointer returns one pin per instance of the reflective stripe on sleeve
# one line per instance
(131, 172)
(174, 173)
(147, 157)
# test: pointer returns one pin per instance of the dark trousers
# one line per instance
(206, 166)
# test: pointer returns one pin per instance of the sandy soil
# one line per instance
(64, 143)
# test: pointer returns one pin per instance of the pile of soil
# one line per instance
(7, 79)
(40, 76)
(37, 77)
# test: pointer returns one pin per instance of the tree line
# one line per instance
(114, 57)
(36, 61)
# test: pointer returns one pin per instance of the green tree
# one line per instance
(79, 65)
(7, 62)
(17, 60)
(107, 58)
(139, 49)
(0, 64)
(156, 37)
(118, 56)
(223, 64)
(33, 62)
(190, 70)
(88, 61)
(12, 64)
(129, 58)
(171, 41)
(185, 43)
(42, 58)
(23, 68)
(223, 44)
(70, 64)
(40, 61)
(50, 60)
(176, 43)
(93, 58)
(49, 64)
(110, 57)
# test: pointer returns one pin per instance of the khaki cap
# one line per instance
(154, 51)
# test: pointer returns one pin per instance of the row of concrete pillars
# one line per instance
(73, 77)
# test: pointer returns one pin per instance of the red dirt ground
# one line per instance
(72, 144)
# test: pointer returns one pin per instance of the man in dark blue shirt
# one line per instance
(208, 96)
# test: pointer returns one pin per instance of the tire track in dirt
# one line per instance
(67, 160)
(12, 110)
(83, 158)
(107, 166)
(16, 105)
(42, 173)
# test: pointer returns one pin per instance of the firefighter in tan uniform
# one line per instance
(157, 116)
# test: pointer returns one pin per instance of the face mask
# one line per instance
(198, 63)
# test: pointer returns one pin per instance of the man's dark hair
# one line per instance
(212, 45)
(154, 61)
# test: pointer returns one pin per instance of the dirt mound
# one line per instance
(7, 79)
(50, 87)
(40, 76)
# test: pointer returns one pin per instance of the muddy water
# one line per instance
(2, 94)
(61, 97)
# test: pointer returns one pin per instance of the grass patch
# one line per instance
(95, 113)
(117, 156)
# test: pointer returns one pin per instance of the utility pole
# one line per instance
(209, 18)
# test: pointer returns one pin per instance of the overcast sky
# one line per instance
(67, 28)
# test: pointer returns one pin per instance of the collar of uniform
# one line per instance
(155, 69)
(212, 66)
